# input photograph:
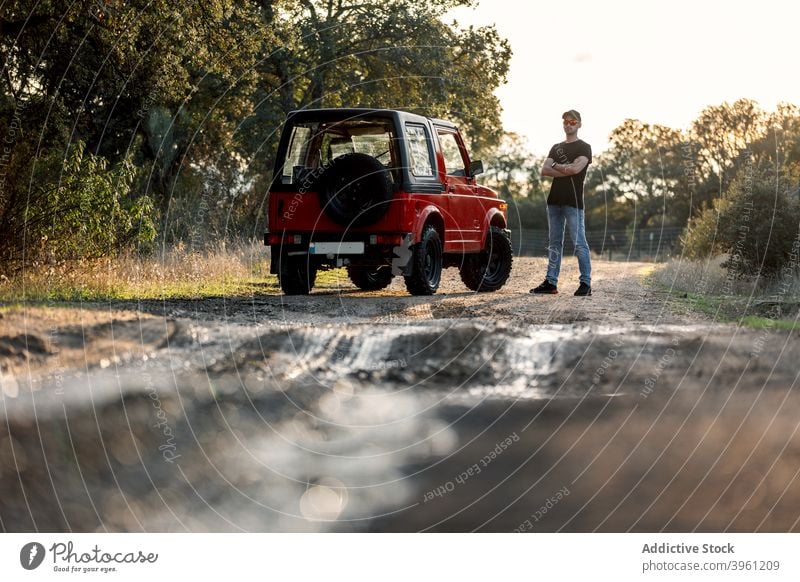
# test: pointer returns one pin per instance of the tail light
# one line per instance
(386, 239)
(276, 239)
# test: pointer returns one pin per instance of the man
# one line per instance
(566, 164)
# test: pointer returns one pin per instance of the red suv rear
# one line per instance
(383, 193)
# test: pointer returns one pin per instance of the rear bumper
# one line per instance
(335, 250)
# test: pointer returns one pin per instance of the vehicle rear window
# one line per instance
(313, 145)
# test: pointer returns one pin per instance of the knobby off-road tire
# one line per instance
(355, 190)
(489, 269)
(370, 278)
(297, 275)
(426, 264)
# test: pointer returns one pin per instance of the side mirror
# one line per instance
(476, 168)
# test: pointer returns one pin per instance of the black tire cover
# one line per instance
(355, 190)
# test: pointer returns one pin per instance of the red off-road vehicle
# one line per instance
(382, 193)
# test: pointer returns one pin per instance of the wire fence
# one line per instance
(648, 244)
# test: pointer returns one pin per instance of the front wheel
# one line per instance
(426, 264)
(296, 275)
(370, 278)
(489, 270)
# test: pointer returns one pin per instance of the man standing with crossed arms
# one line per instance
(566, 164)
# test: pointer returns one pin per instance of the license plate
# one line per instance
(336, 248)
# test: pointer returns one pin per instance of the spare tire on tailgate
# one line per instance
(355, 190)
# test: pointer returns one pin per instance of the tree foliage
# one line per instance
(654, 176)
(511, 170)
(722, 134)
(755, 223)
(398, 54)
(79, 207)
(179, 106)
(643, 169)
(194, 94)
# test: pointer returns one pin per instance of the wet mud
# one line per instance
(351, 411)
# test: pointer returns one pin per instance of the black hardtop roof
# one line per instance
(443, 122)
(354, 112)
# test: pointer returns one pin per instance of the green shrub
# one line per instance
(755, 223)
(78, 207)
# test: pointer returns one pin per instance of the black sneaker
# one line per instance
(545, 288)
(583, 290)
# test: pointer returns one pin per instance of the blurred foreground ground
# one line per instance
(379, 411)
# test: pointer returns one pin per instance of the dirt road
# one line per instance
(361, 411)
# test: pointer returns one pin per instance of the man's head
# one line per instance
(572, 121)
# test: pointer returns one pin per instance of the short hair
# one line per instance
(571, 113)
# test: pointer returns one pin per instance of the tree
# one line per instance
(161, 84)
(78, 208)
(511, 169)
(755, 223)
(722, 134)
(194, 94)
(643, 172)
(780, 145)
(395, 54)
(514, 173)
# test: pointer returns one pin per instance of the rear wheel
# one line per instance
(426, 264)
(489, 269)
(370, 278)
(296, 275)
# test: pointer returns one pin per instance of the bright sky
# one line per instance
(660, 62)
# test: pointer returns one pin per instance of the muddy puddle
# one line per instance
(367, 426)
(347, 411)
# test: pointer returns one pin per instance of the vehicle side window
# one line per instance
(419, 150)
(297, 152)
(453, 162)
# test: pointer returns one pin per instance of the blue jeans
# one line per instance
(557, 216)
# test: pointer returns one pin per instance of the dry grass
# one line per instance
(178, 272)
(710, 277)
(708, 287)
(707, 277)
